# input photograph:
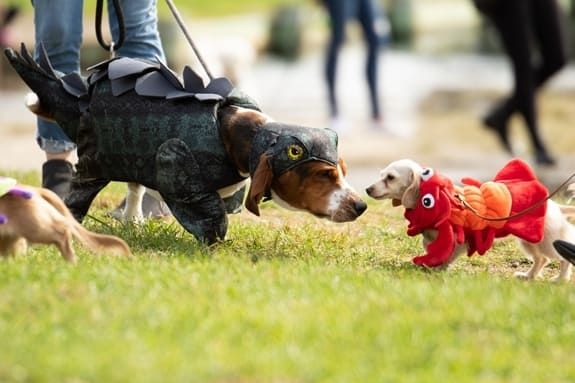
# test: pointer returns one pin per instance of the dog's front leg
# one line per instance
(204, 216)
(181, 183)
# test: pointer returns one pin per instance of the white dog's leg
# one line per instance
(564, 275)
(539, 262)
(133, 209)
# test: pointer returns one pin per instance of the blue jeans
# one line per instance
(368, 15)
(58, 25)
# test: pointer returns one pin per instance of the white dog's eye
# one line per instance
(428, 201)
(390, 177)
(426, 174)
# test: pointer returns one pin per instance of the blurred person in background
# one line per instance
(7, 16)
(526, 27)
(374, 28)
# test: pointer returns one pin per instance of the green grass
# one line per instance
(287, 298)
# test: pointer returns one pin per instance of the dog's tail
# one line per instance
(567, 210)
(94, 241)
(57, 98)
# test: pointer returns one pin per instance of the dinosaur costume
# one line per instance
(134, 121)
(441, 207)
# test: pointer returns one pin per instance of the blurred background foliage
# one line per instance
(201, 8)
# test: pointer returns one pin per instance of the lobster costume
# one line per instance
(474, 214)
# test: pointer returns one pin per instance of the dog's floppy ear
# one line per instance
(261, 183)
(409, 198)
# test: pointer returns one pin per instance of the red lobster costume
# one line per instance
(444, 207)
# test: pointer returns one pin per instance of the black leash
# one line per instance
(112, 46)
(465, 204)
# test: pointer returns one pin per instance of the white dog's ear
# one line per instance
(409, 198)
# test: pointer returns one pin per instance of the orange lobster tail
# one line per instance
(491, 200)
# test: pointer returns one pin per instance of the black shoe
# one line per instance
(544, 159)
(57, 176)
(499, 127)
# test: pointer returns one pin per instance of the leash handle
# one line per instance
(466, 205)
(180, 22)
(112, 46)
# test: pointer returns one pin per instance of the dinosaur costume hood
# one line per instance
(290, 146)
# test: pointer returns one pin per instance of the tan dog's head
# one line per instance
(399, 181)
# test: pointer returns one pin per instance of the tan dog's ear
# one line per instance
(343, 166)
(409, 198)
(261, 183)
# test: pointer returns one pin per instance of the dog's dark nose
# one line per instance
(368, 190)
(359, 207)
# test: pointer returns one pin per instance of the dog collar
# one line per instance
(289, 146)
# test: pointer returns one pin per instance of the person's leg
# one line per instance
(58, 28)
(141, 22)
(546, 26)
(521, 54)
(512, 21)
(337, 15)
(368, 18)
(549, 37)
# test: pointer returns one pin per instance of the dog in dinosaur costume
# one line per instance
(135, 121)
(476, 213)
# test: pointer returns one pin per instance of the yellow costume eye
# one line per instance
(294, 152)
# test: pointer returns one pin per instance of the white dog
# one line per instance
(400, 180)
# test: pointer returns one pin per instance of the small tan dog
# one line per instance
(44, 219)
(399, 181)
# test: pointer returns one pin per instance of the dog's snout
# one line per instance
(369, 190)
(359, 207)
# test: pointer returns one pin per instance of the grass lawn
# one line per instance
(287, 298)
